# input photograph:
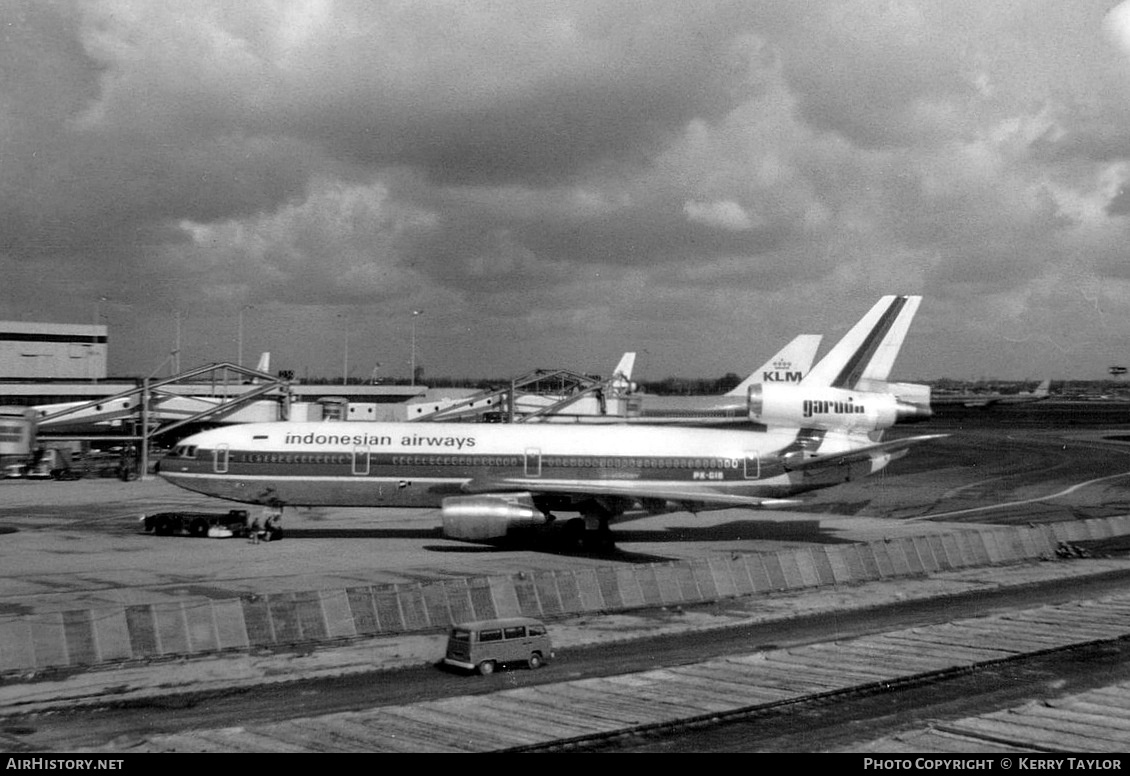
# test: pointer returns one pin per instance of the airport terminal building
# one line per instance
(52, 351)
(50, 365)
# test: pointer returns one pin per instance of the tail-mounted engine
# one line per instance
(833, 409)
(479, 518)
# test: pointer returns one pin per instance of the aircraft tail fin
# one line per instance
(867, 353)
(263, 365)
(1042, 389)
(624, 368)
(789, 365)
(621, 381)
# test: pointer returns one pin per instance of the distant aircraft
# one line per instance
(787, 366)
(790, 365)
(263, 365)
(986, 400)
(618, 400)
(621, 381)
(625, 405)
(490, 480)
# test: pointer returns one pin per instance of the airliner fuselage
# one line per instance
(414, 465)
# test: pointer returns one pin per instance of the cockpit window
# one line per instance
(184, 451)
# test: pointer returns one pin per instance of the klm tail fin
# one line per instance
(789, 365)
(867, 353)
(1042, 389)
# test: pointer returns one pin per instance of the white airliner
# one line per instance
(491, 479)
(618, 400)
(787, 366)
(987, 400)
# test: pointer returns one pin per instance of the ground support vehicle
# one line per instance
(485, 645)
(234, 522)
(44, 464)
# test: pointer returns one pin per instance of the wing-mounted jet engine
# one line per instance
(480, 518)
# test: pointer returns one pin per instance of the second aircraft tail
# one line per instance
(867, 352)
(789, 365)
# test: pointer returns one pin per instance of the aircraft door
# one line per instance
(361, 461)
(533, 462)
(220, 459)
(752, 466)
(634, 408)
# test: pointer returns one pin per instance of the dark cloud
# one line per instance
(565, 179)
(880, 75)
(1119, 204)
(550, 95)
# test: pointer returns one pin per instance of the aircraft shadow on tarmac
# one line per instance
(735, 530)
(808, 531)
(363, 533)
(554, 543)
(550, 546)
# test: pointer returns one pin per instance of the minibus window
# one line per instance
(490, 635)
(537, 630)
(459, 634)
(515, 633)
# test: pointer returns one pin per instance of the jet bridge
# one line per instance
(542, 395)
(157, 407)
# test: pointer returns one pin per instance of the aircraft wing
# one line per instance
(684, 493)
(859, 453)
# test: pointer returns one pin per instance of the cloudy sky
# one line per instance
(554, 183)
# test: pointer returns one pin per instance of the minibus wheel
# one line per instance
(535, 660)
(486, 667)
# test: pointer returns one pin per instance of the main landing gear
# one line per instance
(589, 532)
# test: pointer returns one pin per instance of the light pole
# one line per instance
(176, 348)
(345, 355)
(94, 337)
(239, 352)
(415, 314)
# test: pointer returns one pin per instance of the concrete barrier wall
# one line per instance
(88, 637)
